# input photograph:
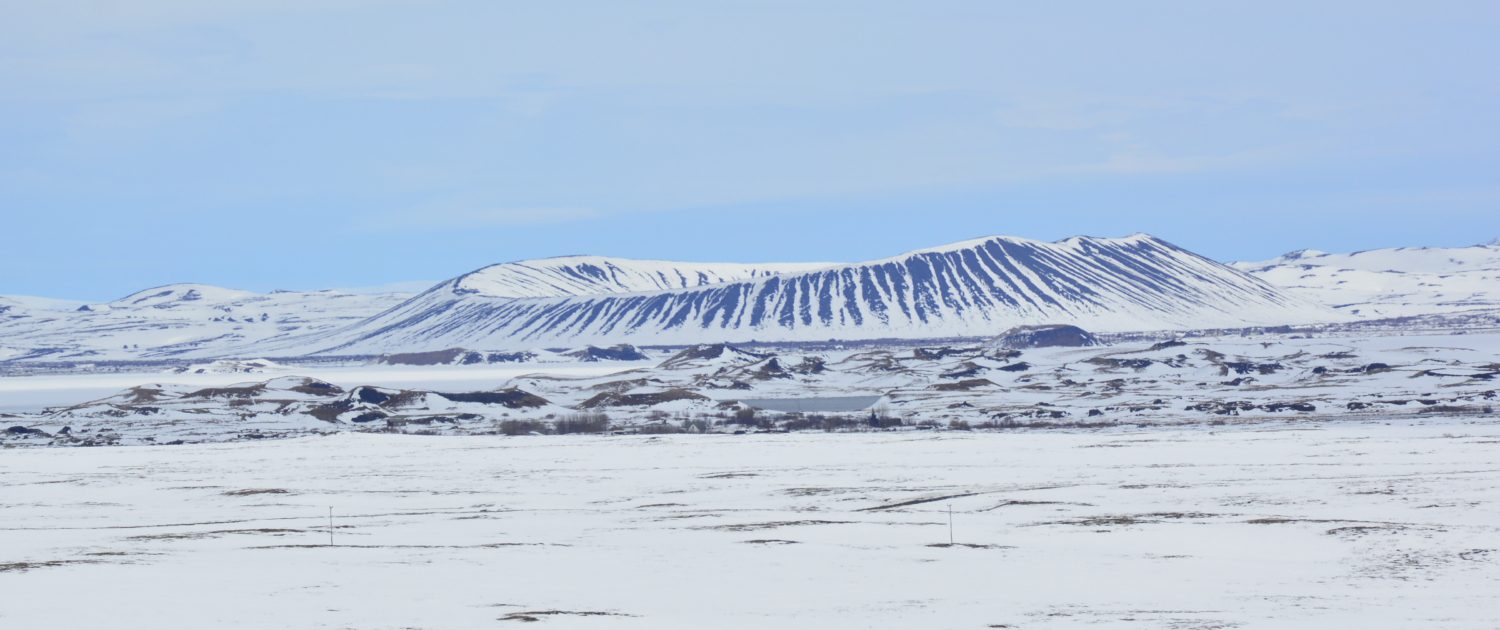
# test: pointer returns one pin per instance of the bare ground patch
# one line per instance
(480, 546)
(22, 567)
(750, 527)
(1025, 503)
(1133, 519)
(1360, 531)
(968, 546)
(892, 506)
(1476, 555)
(217, 533)
(538, 615)
(254, 491)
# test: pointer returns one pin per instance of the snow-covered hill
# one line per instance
(180, 320)
(184, 296)
(12, 308)
(204, 321)
(972, 288)
(594, 275)
(1390, 282)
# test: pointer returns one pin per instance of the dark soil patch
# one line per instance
(22, 567)
(1361, 530)
(482, 546)
(248, 391)
(215, 534)
(254, 491)
(511, 398)
(967, 546)
(538, 615)
(611, 399)
(891, 506)
(1282, 520)
(730, 475)
(963, 386)
(1133, 519)
(1014, 503)
(750, 527)
(1476, 554)
(314, 387)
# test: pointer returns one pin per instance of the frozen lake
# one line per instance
(1364, 525)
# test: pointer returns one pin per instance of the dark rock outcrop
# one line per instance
(1048, 336)
(621, 352)
(611, 399)
(512, 398)
(705, 352)
(964, 385)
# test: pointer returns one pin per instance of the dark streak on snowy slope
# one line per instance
(567, 276)
(972, 288)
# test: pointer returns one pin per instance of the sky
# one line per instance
(305, 144)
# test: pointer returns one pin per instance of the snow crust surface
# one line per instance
(1349, 525)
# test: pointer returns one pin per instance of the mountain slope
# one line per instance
(978, 287)
(183, 295)
(180, 320)
(200, 321)
(593, 275)
(1390, 282)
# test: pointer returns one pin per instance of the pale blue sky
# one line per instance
(314, 143)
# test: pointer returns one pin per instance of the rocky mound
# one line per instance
(621, 352)
(701, 354)
(1049, 336)
(612, 399)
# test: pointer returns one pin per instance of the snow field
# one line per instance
(1334, 525)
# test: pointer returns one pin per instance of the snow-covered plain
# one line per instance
(1295, 525)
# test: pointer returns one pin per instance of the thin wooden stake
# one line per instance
(950, 524)
(330, 526)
